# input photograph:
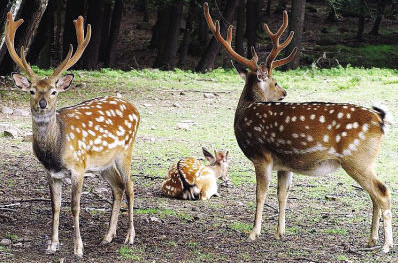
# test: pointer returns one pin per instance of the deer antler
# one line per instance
(82, 43)
(271, 64)
(215, 29)
(11, 28)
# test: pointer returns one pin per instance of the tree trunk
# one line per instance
(32, 12)
(74, 8)
(212, 49)
(188, 32)
(159, 31)
(381, 6)
(240, 28)
(361, 21)
(114, 33)
(146, 10)
(14, 6)
(105, 30)
(95, 17)
(166, 57)
(203, 29)
(268, 10)
(296, 25)
(39, 52)
(251, 24)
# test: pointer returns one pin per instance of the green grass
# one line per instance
(132, 253)
(241, 226)
(336, 231)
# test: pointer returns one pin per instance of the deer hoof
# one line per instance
(52, 248)
(279, 236)
(253, 236)
(372, 242)
(387, 248)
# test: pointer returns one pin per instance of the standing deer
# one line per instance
(95, 135)
(190, 178)
(312, 138)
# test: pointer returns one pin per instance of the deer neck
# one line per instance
(249, 95)
(47, 140)
(216, 169)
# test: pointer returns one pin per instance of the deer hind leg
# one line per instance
(116, 182)
(284, 183)
(381, 199)
(55, 190)
(77, 186)
(263, 178)
(123, 168)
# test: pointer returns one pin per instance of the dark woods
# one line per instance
(177, 33)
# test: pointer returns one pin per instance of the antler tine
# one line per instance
(271, 64)
(215, 29)
(11, 28)
(82, 43)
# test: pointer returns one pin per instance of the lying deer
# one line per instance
(95, 135)
(190, 178)
(312, 138)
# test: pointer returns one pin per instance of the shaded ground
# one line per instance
(318, 229)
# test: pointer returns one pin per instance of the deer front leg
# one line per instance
(55, 191)
(284, 183)
(77, 185)
(263, 178)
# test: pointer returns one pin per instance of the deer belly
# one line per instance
(314, 167)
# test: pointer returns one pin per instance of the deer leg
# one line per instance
(55, 191)
(113, 178)
(124, 170)
(374, 234)
(263, 178)
(284, 183)
(378, 192)
(77, 185)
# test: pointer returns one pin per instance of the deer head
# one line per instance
(44, 91)
(259, 86)
(219, 163)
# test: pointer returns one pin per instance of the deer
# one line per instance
(190, 179)
(96, 136)
(310, 138)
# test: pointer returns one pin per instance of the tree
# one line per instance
(251, 24)
(240, 28)
(114, 33)
(381, 6)
(31, 11)
(166, 57)
(95, 17)
(74, 8)
(212, 49)
(188, 31)
(296, 25)
(361, 20)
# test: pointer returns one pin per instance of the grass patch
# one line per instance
(336, 231)
(132, 253)
(241, 227)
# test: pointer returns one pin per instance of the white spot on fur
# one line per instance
(322, 119)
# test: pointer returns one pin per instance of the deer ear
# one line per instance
(21, 81)
(208, 155)
(64, 82)
(242, 72)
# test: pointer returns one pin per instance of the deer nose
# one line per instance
(43, 103)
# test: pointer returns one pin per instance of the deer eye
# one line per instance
(32, 92)
(54, 92)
